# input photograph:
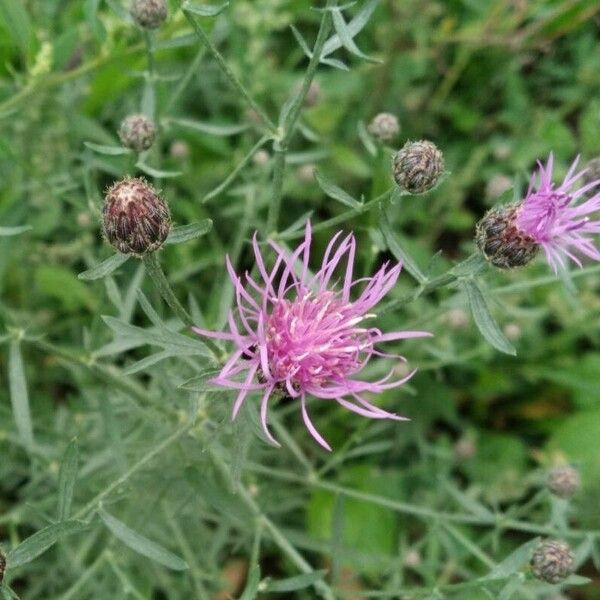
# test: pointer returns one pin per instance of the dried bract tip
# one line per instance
(563, 481)
(553, 561)
(384, 127)
(136, 219)
(418, 166)
(149, 14)
(137, 132)
(500, 240)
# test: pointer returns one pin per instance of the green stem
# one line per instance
(277, 189)
(355, 212)
(155, 271)
(235, 82)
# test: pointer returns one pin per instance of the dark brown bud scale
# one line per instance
(500, 240)
(553, 561)
(563, 481)
(418, 166)
(136, 219)
(137, 132)
(149, 14)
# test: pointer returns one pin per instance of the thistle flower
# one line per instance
(137, 132)
(149, 14)
(550, 218)
(418, 166)
(136, 220)
(296, 335)
(553, 561)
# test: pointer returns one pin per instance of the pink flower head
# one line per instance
(554, 219)
(296, 334)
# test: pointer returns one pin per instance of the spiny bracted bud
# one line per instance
(418, 166)
(384, 127)
(137, 132)
(553, 561)
(149, 14)
(501, 241)
(563, 481)
(136, 219)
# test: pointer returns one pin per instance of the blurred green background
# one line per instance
(496, 84)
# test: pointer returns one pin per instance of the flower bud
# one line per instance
(496, 186)
(136, 218)
(179, 150)
(457, 318)
(261, 158)
(384, 127)
(306, 173)
(137, 132)
(464, 449)
(501, 241)
(512, 331)
(563, 481)
(418, 166)
(149, 14)
(553, 561)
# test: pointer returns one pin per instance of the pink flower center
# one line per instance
(315, 339)
(540, 213)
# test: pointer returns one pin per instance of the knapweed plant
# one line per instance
(277, 313)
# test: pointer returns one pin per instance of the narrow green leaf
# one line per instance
(251, 590)
(299, 582)
(200, 383)
(204, 10)
(576, 580)
(346, 36)
(8, 231)
(141, 544)
(18, 394)
(395, 246)
(335, 192)
(39, 542)
(189, 232)
(484, 320)
(66, 480)
(108, 150)
(106, 267)
(156, 172)
(211, 128)
(16, 22)
(514, 561)
(354, 27)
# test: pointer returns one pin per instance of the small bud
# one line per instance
(457, 318)
(418, 166)
(261, 158)
(464, 449)
(84, 219)
(149, 14)
(306, 173)
(553, 561)
(137, 132)
(563, 481)
(500, 240)
(384, 127)
(179, 150)
(496, 186)
(412, 558)
(136, 218)
(512, 331)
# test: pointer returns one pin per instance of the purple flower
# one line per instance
(555, 221)
(296, 334)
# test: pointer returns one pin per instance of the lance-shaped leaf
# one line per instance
(106, 267)
(185, 233)
(335, 192)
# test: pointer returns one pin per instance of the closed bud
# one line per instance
(137, 132)
(500, 240)
(384, 127)
(149, 14)
(553, 561)
(418, 166)
(179, 150)
(563, 481)
(136, 219)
